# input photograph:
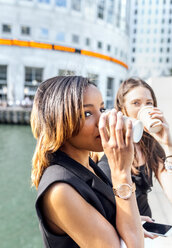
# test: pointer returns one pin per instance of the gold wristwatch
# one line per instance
(124, 190)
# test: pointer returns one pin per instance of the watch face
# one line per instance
(124, 191)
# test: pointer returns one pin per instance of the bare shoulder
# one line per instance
(60, 193)
(73, 215)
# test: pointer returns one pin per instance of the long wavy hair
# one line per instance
(57, 115)
(151, 149)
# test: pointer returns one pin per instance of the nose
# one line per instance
(98, 117)
(143, 105)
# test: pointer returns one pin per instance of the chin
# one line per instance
(98, 149)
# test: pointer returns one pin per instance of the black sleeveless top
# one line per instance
(96, 190)
(143, 185)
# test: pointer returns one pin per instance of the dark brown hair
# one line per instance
(150, 148)
(56, 116)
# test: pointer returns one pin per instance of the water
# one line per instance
(18, 220)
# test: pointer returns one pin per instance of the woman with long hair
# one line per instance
(154, 150)
(77, 206)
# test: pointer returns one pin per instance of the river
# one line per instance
(18, 220)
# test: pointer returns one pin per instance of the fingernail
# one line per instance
(153, 220)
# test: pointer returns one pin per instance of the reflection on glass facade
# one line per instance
(110, 92)
(100, 9)
(60, 3)
(60, 36)
(43, 32)
(110, 11)
(44, 1)
(76, 5)
(33, 76)
(6, 28)
(3, 82)
(25, 30)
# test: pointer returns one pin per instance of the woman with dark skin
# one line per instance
(76, 206)
(151, 152)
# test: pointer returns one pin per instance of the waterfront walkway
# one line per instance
(162, 213)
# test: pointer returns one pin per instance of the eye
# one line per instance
(136, 103)
(149, 103)
(87, 113)
(102, 110)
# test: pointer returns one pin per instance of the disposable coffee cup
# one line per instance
(137, 128)
(152, 125)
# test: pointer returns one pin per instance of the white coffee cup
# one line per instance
(137, 128)
(152, 125)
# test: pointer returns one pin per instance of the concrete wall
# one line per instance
(162, 87)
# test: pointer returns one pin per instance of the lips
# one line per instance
(98, 137)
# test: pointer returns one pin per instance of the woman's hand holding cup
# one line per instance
(118, 147)
(155, 124)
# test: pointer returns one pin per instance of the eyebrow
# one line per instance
(91, 105)
(137, 99)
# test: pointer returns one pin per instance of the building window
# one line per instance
(167, 60)
(135, 31)
(110, 11)
(33, 76)
(133, 60)
(109, 92)
(63, 72)
(93, 77)
(135, 12)
(134, 40)
(76, 5)
(99, 44)
(134, 49)
(3, 84)
(100, 9)
(43, 32)
(169, 21)
(87, 41)
(108, 48)
(6, 28)
(161, 49)
(44, 1)
(168, 40)
(60, 3)
(118, 16)
(162, 30)
(168, 49)
(75, 38)
(25, 30)
(60, 37)
(116, 50)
